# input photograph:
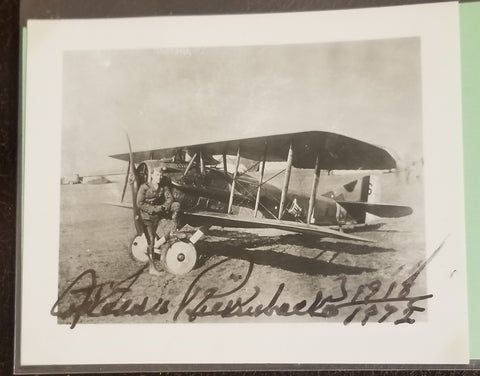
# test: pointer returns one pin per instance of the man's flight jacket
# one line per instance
(149, 199)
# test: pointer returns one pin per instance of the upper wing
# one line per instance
(335, 151)
(229, 220)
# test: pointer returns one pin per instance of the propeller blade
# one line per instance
(126, 181)
(137, 218)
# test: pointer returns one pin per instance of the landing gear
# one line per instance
(139, 244)
(180, 258)
(139, 248)
(177, 256)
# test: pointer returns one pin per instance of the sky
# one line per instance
(370, 90)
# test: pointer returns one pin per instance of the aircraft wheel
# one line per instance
(139, 248)
(180, 258)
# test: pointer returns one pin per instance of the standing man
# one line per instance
(155, 201)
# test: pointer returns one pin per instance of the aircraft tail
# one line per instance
(357, 190)
(369, 189)
(373, 196)
(369, 206)
(360, 210)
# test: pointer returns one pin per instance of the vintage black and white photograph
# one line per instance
(274, 186)
(252, 183)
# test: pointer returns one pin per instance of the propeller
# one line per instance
(137, 218)
(126, 181)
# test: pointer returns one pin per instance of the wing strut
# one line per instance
(232, 189)
(286, 181)
(190, 164)
(202, 164)
(313, 193)
(260, 181)
(225, 170)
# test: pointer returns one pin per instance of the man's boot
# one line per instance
(151, 268)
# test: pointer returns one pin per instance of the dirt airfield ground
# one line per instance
(97, 236)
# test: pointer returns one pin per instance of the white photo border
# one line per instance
(442, 339)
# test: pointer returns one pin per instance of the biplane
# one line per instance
(213, 194)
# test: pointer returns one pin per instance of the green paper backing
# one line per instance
(470, 50)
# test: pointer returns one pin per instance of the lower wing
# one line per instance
(230, 220)
(202, 218)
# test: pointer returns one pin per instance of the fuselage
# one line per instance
(210, 191)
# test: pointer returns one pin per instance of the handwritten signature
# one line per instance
(91, 300)
(85, 297)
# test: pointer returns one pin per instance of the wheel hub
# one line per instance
(180, 258)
